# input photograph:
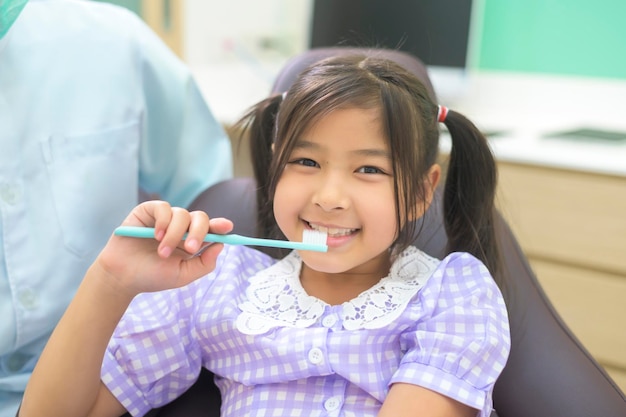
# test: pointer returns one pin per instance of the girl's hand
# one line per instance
(136, 265)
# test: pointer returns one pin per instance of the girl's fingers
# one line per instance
(175, 230)
(220, 225)
(198, 228)
(202, 264)
(208, 257)
(172, 223)
(161, 211)
(200, 223)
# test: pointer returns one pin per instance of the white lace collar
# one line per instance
(275, 297)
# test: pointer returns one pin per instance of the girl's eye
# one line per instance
(305, 162)
(370, 170)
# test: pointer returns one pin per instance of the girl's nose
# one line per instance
(331, 194)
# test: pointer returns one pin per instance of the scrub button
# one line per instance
(329, 321)
(28, 299)
(332, 403)
(10, 194)
(316, 356)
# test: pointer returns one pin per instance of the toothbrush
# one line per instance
(312, 240)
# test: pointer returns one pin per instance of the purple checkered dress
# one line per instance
(277, 351)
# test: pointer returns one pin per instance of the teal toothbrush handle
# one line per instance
(231, 239)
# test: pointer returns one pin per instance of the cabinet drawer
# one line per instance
(592, 304)
(568, 216)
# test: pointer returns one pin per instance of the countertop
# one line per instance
(516, 110)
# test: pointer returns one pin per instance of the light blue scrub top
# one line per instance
(92, 106)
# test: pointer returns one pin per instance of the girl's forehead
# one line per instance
(346, 127)
(343, 117)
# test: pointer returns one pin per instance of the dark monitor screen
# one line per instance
(436, 31)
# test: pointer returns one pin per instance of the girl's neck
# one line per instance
(337, 288)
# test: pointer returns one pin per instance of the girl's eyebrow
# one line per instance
(376, 152)
(382, 153)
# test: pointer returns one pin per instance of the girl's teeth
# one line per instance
(332, 231)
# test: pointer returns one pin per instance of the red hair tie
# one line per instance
(442, 113)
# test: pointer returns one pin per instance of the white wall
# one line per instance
(249, 30)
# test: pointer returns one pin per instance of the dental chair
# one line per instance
(549, 373)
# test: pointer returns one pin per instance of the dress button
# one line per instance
(316, 356)
(329, 321)
(28, 299)
(332, 403)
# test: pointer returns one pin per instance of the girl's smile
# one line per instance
(337, 235)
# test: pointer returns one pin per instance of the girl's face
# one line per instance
(339, 179)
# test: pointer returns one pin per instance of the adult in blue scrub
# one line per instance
(93, 106)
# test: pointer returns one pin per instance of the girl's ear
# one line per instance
(430, 185)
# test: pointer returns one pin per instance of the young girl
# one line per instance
(373, 327)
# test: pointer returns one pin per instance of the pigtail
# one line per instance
(259, 125)
(469, 194)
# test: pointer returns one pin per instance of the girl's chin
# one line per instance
(321, 262)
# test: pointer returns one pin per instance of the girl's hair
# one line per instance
(409, 124)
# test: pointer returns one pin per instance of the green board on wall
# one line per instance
(571, 37)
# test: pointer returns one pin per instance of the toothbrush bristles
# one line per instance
(314, 237)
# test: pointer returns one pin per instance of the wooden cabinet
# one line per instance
(572, 226)
(165, 17)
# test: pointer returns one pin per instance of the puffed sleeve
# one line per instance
(461, 340)
(153, 356)
(184, 149)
